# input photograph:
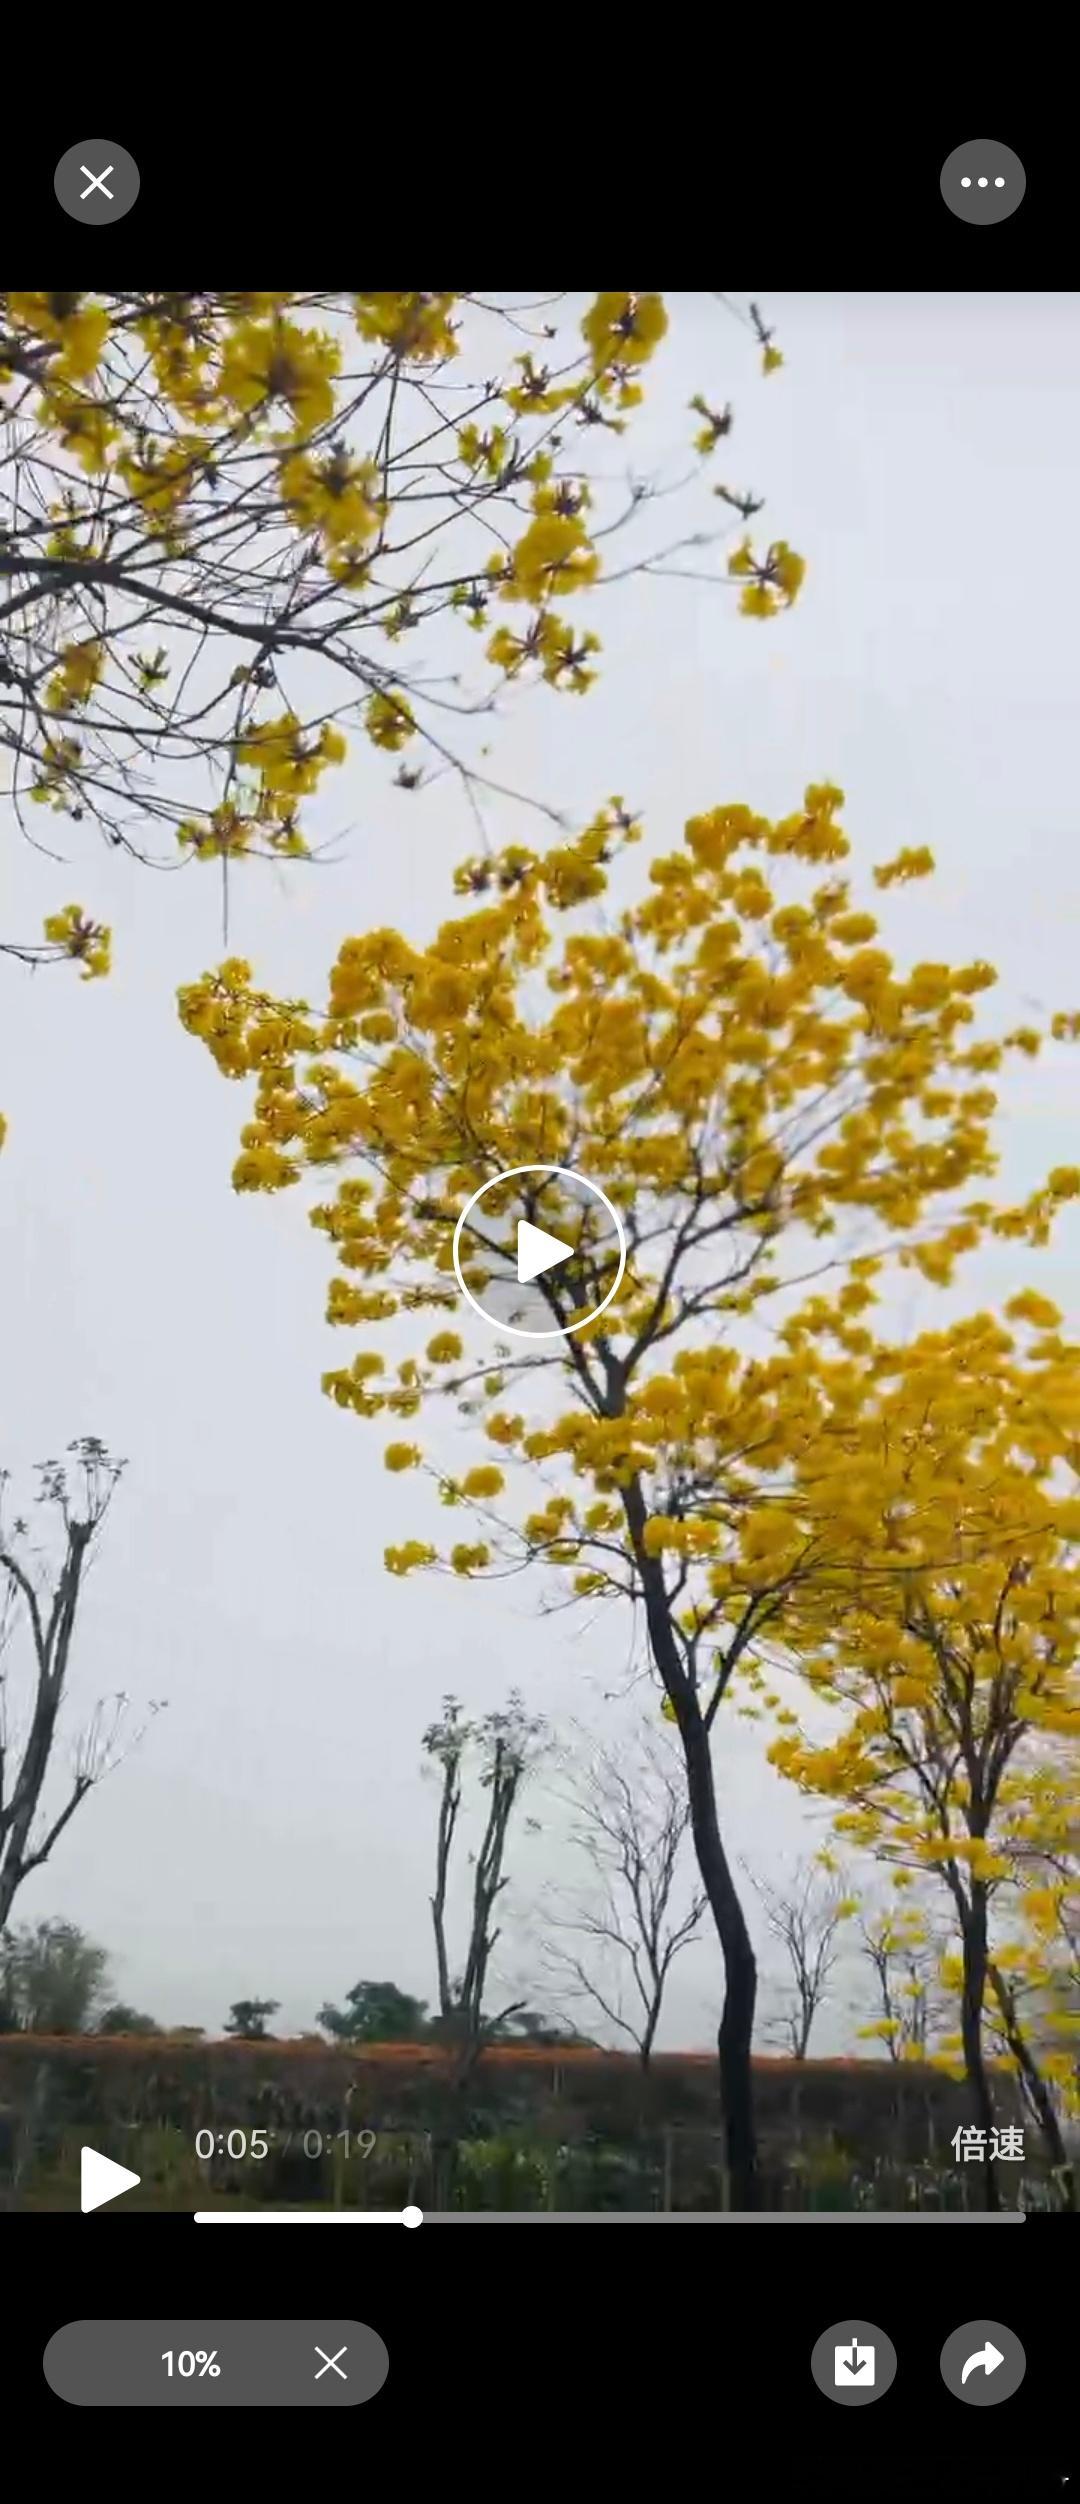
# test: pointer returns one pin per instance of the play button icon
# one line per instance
(102, 2180)
(539, 1251)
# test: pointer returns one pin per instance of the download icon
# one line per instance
(853, 2363)
(853, 2367)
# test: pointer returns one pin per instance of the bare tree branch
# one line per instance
(631, 1816)
(42, 1589)
(806, 1918)
(504, 1746)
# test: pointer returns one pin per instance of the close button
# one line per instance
(97, 181)
(216, 2364)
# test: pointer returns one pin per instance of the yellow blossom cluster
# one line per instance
(231, 831)
(562, 656)
(80, 669)
(483, 1483)
(334, 495)
(160, 479)
(445, 1348)
(72, 933)
(622, 332)
(77, 330)
(389, 719)
(272, 365)
(415, 327)
(59, 765)
(405, 1559)
(552, 558)
(470, 1559)
(286, 762)
(772, 581)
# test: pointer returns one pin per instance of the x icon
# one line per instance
(96, 182)
(330, 2364)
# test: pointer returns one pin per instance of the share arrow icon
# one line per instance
(988, 2356)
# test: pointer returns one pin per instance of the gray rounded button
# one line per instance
(97, 181)
(982, 2363)
(983, 182)
(215, 2364)
(853, 2362)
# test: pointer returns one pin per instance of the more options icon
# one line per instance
(539, 1251)
(853, 2362)
(983, 182)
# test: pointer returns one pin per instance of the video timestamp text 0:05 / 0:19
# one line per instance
(239, 2144)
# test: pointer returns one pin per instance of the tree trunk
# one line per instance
(971, 2027)
(1038, 2092)
(740, 1966)
(443, 2170)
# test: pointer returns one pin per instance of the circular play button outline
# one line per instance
(559, 1330)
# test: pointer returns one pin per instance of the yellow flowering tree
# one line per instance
(736, 1061)
(268, 479)
(939, 1485)
(238, 529)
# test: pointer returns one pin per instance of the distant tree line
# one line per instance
(55, 1981)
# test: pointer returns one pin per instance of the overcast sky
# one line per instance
(272, 1835)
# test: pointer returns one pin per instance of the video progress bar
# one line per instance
(608, 2217)
(309, 2217)
(725, 2217)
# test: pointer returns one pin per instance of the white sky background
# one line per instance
(272, 1836)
